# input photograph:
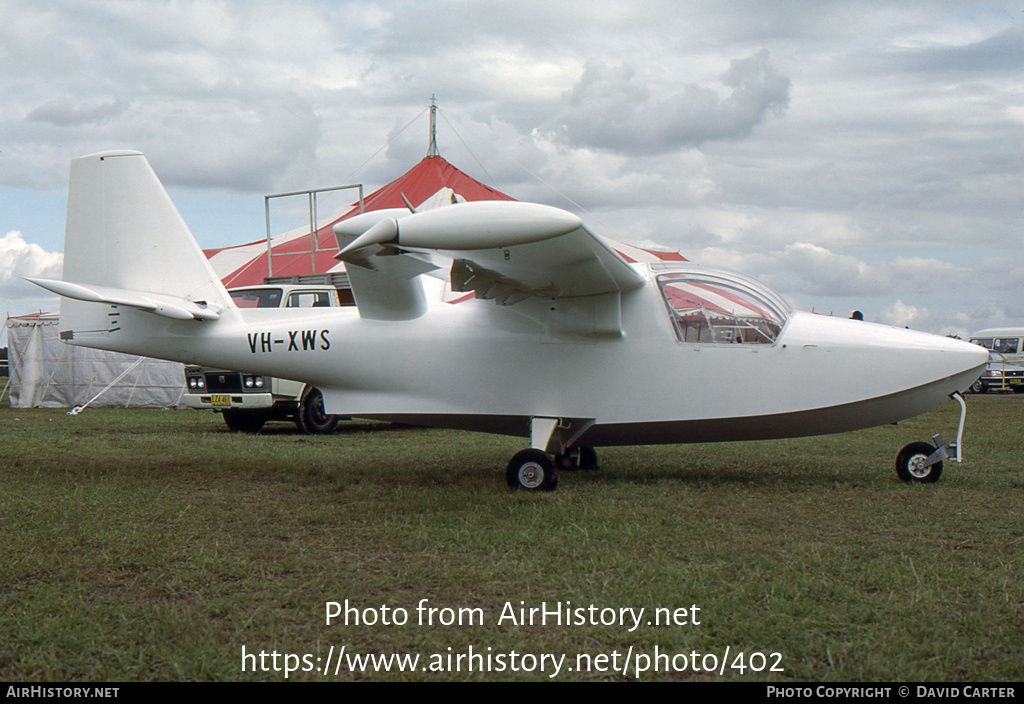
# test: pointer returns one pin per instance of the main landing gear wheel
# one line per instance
(310, 417)
(532, 470)
(910, 461)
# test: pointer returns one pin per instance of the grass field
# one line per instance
(141, 545)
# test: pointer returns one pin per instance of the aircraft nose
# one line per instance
(952, 363)
(971, 353)
(883, 359)
(944, 358)
(971, 358)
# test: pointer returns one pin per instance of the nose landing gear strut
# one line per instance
(921, 462)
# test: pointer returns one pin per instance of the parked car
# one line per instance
(1000, 375)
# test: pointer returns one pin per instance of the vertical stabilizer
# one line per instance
(123, 232)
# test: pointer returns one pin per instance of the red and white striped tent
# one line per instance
(430, 182)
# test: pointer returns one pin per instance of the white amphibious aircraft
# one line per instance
(566, 343)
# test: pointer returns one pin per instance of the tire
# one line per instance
(244, 421)
(310, 417)
(909, 460)
(977, 387)
(532, 470)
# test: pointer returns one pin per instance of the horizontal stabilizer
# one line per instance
(167, 306)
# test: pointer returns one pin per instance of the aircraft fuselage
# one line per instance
(483, 367)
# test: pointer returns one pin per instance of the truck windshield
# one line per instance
(722, 307)
(257, 298)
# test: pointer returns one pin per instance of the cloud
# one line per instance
(813, 270)
(900, 314)
(63, 112)
(996, 54)
(220, 95)
(19, 259)
(856, 153)
(233, 143)
(614, 109)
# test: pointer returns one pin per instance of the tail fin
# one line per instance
(126, 244)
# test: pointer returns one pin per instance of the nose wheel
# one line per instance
(912, 464)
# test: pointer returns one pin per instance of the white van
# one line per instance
(1009, 342)
(1005, 370)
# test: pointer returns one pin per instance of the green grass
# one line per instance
(141, 545)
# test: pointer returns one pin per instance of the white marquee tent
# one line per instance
(46, 373)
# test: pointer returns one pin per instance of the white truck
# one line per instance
(248, 401)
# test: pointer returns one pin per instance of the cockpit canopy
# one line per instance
(720, 307)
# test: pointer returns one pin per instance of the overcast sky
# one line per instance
(852, 154)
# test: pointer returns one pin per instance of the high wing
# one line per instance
(503, 251)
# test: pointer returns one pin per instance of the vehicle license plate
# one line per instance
(220, 400)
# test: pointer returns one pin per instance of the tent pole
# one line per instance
(432, 149)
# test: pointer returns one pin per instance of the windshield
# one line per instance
(1007, 345)
(257, 297)
(721, 307)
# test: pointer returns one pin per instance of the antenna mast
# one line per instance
(432, 149)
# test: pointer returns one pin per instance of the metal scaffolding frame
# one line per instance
(313, 221)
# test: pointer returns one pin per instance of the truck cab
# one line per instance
(247, 401)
